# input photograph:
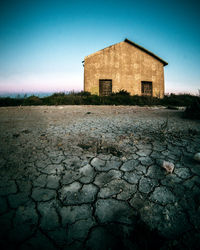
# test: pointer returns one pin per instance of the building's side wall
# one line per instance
(127, 66)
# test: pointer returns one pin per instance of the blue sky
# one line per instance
(43, 42)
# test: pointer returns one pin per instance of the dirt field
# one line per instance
(91, 177)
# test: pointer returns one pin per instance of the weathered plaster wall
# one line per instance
(127, 66)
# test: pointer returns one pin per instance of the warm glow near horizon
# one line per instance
(52, 82)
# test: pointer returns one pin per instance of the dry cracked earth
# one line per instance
(91, 177)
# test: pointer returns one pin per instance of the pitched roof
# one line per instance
(145, 50)
(137, 46)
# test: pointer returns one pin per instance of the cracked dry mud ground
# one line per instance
(89, 177)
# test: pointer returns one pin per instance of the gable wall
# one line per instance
(127, 66)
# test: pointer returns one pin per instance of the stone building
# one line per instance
(124, 66)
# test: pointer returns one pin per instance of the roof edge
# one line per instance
(145, 50)
(101, 50)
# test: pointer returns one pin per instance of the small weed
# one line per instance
(193, 110)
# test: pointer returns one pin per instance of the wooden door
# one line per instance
(105, 87)
(146, 88)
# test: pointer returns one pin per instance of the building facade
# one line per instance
(124, 66)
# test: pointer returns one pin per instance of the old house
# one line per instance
(127, 66)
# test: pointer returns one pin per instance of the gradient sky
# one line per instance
(43, 42)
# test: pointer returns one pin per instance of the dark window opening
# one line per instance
(105, 87)
(146, 88)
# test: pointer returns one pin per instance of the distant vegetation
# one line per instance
(85, 98)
